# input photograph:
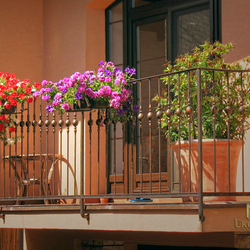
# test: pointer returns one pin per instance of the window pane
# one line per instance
(152, 40)
(116, 52)
(150, 68)
(194, 29)
(116, 13)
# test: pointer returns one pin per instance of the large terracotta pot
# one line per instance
(222, 182)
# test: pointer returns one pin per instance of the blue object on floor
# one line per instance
(140, 199)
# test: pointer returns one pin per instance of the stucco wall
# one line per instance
(21, 39)
(64, 38)
(235, 27)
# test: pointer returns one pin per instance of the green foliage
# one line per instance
(223, 86)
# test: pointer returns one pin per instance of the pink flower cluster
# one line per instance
(109, 83)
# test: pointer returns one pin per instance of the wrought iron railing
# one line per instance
(80, 157)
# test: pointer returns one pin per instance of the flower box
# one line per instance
(107, 87)
(12, 110)
(86, 105)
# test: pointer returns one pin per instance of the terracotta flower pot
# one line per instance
(104, 200)
(222, 182)
(92, 200)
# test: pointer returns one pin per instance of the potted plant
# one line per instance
(12, 92)
(225, 110)
(108, 87)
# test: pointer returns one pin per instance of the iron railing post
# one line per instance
(82, 166)
(200, 172)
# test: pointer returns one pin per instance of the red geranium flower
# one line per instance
(3, 96)
(23, 85)
(12, 76)
(28, 91)
(6, 75)
(14, 94)
(29, 99)
(38, 85)
(13, 102)
(14, 87)
(7, 105)
(26, 80)
(9, 98)
(2, 117)
(12, 129)
(21, 96)
(2, 127)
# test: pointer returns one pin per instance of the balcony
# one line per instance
(73, 161)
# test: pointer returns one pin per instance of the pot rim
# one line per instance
(217, 141)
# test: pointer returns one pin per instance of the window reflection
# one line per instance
(194, 29)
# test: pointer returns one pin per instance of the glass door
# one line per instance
(150, 48)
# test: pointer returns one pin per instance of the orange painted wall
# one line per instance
(64, 38)
(235, 27)
(21, 49)
(21, 39)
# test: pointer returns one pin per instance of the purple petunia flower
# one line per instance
(108, 72)
(136, 108)
(101, 63)
(49, 108)
(125, 108)
(60, 83)
(78, 95)
(130, 71)
(120, 112)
